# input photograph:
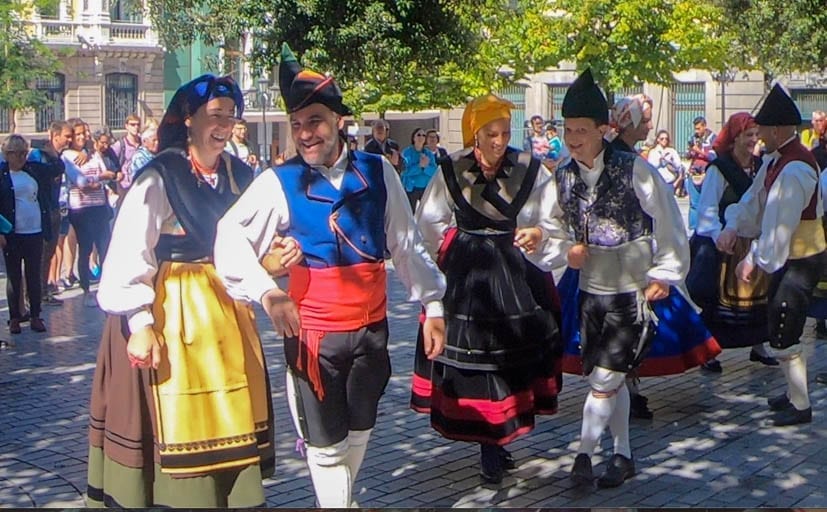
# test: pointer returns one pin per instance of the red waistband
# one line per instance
(340, 298)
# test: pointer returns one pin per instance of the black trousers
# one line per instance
(92, 229)
(791, 288)
(414, 196)
(355, 368)
(610, 333)
(23, 251)
(49, 248)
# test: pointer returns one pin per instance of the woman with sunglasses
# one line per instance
(24, 202)
(419, 164)
(180, 410)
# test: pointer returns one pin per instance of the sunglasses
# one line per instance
(419, 135)
(18, 153)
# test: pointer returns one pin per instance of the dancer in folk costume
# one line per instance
(344, 208)
(628, 241)
(784, 205)
(501, 364)
(681, 341)
(180, 414)
(734, 311)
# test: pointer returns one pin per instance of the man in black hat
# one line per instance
(626, 259)
(782, 203)
(344, 208)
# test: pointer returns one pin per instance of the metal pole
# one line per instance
(263, 98)
(723, 102)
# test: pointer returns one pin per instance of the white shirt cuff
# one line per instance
(140, 319)
(434, 309)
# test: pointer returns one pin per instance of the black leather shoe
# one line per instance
(506, 458)
(618, 470)
(792, 416)
(638, 408)
(491, 466)
(713, 365)
(779, 403)
(581, 472)
(765, 360)
(821, 378)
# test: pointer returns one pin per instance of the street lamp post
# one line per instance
(264, 98)
(724, 77)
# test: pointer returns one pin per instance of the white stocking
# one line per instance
(619, 423)
(797, 381)
(598, 409)
(330, 474)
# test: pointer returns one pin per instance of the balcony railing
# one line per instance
(100, 34)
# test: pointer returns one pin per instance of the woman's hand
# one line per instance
(144, 348)
(433, 337)
(528, 239)
(282, 311)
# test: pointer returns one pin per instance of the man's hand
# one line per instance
(282, 312)
(657, 290)
(744, 270)
(144, 348)
(528, 239)
(577, 256)
(726, 241)
(284, 253)
(2, 241)
(81, 158)
(433, 337)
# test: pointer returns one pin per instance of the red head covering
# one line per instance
(735, 125)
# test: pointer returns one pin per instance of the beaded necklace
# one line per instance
(205, 174)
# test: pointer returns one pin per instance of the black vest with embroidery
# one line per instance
(611, 215)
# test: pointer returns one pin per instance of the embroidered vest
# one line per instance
(337, 227)
(611, 215)
(808, 238)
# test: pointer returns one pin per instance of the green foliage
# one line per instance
(386, 54)
(778, 36)
(23, 59)
(417, 54)
(626, 42)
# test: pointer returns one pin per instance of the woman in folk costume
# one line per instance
(624, 232)
(180, 414)
(500, 366)
(784, 205)
(735, 312)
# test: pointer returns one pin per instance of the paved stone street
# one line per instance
(708, 445)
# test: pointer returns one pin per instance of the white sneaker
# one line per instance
(89, 300)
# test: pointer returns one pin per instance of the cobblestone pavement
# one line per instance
(709, 444)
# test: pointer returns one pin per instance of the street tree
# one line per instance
(23, 59)
(778, 36)
(403, 54)
(410, 55)
(624, 42)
